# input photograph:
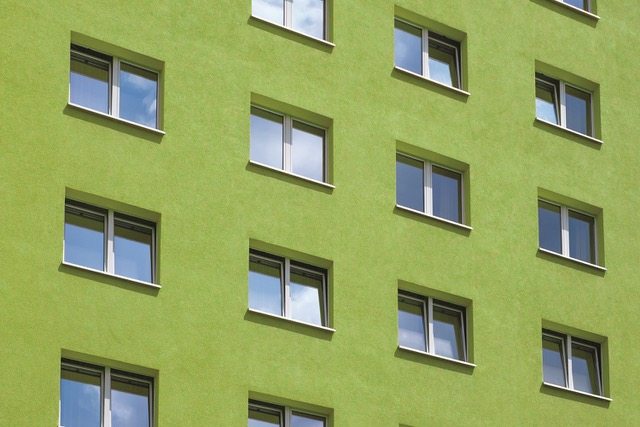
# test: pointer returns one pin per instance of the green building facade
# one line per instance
(471, 190)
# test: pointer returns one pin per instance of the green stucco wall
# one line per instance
(195, 335)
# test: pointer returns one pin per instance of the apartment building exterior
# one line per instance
(318, 213)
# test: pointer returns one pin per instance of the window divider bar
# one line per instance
(115, 96)
(285, 286)
(425, 53)
(288, 13)
(287, 417)
(564, 226)
(110, 258)
(107, 397)
(563, 104)
(288, 143)
(569, 363)
(428, 187)
(431, 347)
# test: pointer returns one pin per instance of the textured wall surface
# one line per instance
(206, 352)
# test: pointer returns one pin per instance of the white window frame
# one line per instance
(287, 21)
(114, 85)
(560, 90)
(427, 175)
(110, 218)
(285, 274)
(285, 412)
(564, 233)
(427, 307)
(567, 343)
(105, 389)
(424, 32)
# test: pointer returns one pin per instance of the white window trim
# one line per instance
(285, 412)
(427, 174)
(116, 119)
(295, 175)
(296, 32)
(435, 82)
(586, 13)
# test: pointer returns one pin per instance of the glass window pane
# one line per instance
(408, 47)
(443, 65)
(80, 399)
(549, 227)
(305, 420)
(263, 418)
(89, 82)
(266, 138)
(308, 17)
(138, 95)
(270, 10)
(307, 151)
(581, 237)
(410, 183)
(578, 110)
(306, 297)
(546, 102)
(84, 239)
(580, 4)
(553, 361)
(411, 329)
(584, 369)
(447, 194)
(265, 287)
(132, 246)
(130, 403)
(447, 332)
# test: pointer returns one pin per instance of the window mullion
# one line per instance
(115, 87)
(425, 53)
(288, 143)
(569, 363)
(110, 258)
(564, 224)
(285, 286)
(431, 347)
(287, 417)
(428, 188)
(288, 13)
(563, 104)
(107, 397)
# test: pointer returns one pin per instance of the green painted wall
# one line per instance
(195, 334)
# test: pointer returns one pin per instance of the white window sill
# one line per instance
(573, 132)
(448, 359)
(116, 119)
(437, 218)
(442, 85)
(577, 10)
(291, 30)
(588, 264)
(286, 319)
(570, 390)
(104, 273)
(284, 172)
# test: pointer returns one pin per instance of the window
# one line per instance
(281, 142)
(571, 363)
(567, 232)
(267, 415)
(429, 188)
(94, 396)
(564, 105)
(286, 288)
(431, 326)
(108, 241)
(580, 4)
(304, 16)
(427, 54)
(112, 86)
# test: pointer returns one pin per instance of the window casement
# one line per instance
(110, 242)
(571, 363)
(567, 232)
(112, 86)
(432, 326)
(427, 54)
(104, 397)
(308, 17)
(429, 188)
(289, 289)
(291, 145)
(578, 4)
(267, 415)
(565, 105)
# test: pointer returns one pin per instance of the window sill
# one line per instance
(286, 319)
(116, 119)
(128, 279)
(262, 165)
(446, 221)
(570, 390)
(442, 85)
(291, 30)
(448, 359)
(572, 132)
(577, 10)
(588, 264)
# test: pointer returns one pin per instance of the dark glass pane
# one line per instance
(578, 110)
(308, 17)
(584, 369)
(265, 291)
(130, 403)
(408, 47)
(306, 420)
(411, 327)
(263, 418)
(546, 102)
(80, 398)
(84, 239)
(447, 194)
(580, 4)
(138, 95)
(549, 227)
(443, 63)
(132, 246)
(307, 151)
(447, 332)
(306, 297)
(581, 237)
(89, 82)
(270, 10)
(553, 361)
(266, 138)
(410, 183)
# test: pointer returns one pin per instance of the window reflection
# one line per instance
(265, 286)
(307, 151)
(553, 361)
(306, 299)
(549, 227)
(410, 183)
(270, 10)
(308, 17)
(546, 102)
(578, 110)
(443, 66)
(447, 332)
(80, 397)
(408, 47)
(305, 420)
(130, 403)
(267, 138)
(447, 194)
(84, 239)
(89, 82)
(132, 245)
(411, 325)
